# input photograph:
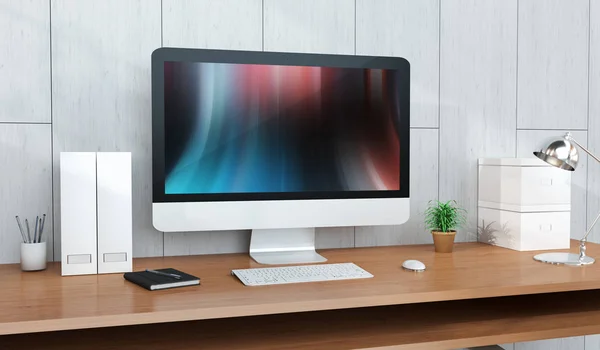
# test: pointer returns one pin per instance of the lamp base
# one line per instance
(564, 259)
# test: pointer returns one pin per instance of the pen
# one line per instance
(35, 231)
(21, 229)
(172, 275)
(39, 237)
(43, 221)
(28, 232)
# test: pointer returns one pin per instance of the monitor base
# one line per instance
(284, 246)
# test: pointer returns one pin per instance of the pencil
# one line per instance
(35, 230)
(42, 229)
(21, 229)
(40, 232)
(28, 232)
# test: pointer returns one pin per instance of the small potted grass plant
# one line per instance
(443, 219)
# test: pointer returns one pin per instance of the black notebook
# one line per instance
(153, 281)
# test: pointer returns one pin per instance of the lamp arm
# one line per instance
(591, 227)
(570, 138)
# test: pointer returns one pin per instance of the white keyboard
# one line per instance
(300, 274)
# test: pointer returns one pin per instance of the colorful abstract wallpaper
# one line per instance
(240, 128)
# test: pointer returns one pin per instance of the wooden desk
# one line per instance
(368, 313)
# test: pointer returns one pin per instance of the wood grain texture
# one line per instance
(62, 303)
(24, 61)
(25, 184)
(312, 26)
(423, 188)
(532, 140)
(408, 29)
(553, 64)
(457, 324)
(571, 343)
(233, 25)
(101, 94)
(214, 24)
(593, 198)
(477, 93)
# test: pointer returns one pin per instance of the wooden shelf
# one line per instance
(423, 326)
(44, 301)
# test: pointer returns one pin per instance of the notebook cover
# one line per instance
(152, 281)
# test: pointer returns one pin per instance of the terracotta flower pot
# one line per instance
(443, 241)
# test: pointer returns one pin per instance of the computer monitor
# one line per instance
(279, 143)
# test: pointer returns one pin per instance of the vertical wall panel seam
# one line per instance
(355, 26)
(439, 92)
(51, 135)
(263, 23)
(517, 83)
(589, 60)
(162, 44)
(354, 231)
(587, 134)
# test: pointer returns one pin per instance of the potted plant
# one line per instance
(442, 219)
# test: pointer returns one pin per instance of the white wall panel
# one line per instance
(423, 188)
(593, 199)
(314, 26)
(24, 61)
(592, 342)
(553, 64)
(213, 24)
(477, 93)
(25, 185)
(334, 237)
(101, 93)
(213, 242)
(408, 29)
(220, 242)
(572, 343)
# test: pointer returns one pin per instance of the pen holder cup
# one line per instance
(33, 256)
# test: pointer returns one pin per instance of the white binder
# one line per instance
(96, 212)
(113, 171)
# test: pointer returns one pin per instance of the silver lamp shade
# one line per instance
(561, 154)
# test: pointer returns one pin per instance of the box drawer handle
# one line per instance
(546, 227)
(546, 181)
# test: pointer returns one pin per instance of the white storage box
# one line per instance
(524, 204)
(524, 231)
(523, 184)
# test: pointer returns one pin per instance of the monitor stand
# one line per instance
(284, 246)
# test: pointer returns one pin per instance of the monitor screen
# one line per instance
(259, 131)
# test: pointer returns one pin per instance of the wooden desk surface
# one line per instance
(423, 326)
(44, 301)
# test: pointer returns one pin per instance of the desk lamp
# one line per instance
(563, 154)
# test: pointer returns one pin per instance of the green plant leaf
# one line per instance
(444, 216)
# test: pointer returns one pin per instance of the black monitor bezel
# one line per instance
(162, 55)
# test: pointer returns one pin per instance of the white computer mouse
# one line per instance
(413, 265)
